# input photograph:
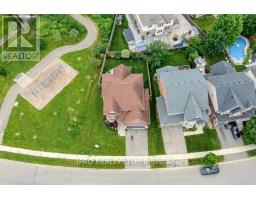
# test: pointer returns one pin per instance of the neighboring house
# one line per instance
(173, 29)
(231, 93)
(252, 60)
(251, 72)
(184, 98)
(125, 101)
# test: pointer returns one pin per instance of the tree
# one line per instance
(3, 71)
(249, 25)
(209, 159)
(192, 56)
(125, 53)
(215, 43)
(249, 131)
(224, 33)
(156, 53)
(231, 26)
(196, 44)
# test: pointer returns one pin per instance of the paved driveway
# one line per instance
(227, 141)
(174, 143)
(136, 145)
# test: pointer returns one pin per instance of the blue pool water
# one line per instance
(237, 50)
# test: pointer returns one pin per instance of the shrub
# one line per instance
(42, 43)
(62, 23)
(125, 53)
(99, 49)
(209, 160)
(249, 131)
(156, 53)
(3, 71)
(73, 33)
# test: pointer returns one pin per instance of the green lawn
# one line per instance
(118, 42)
(175, 58)
(49, 129)
(155, 139)
(15, 68)
(136, 65)
(204, 142)
(60, 162)
(80, 99)
(212, 59)
(205, 22)
(240, 68)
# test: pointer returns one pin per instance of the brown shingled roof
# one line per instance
(125, 96)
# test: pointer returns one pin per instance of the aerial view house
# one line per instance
(231, 93)
(173, 29)
(184, 98)
(125, 101)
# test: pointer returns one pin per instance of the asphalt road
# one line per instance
(12, 172)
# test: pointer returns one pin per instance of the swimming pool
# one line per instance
(237, 51)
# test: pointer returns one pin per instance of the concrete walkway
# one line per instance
(170, 157)
(174, 143)
(13, 92)
(136, 145)
(227, 141)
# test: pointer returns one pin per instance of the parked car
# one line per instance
(235, 132)
(210, 170)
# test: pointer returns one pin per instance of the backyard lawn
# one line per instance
(204, 142)
(136, 65)
(118, 42)
(212, 59)
(176, 58)
(80, 102)
(240, 68)
(205, 22)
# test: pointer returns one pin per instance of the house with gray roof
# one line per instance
(232, 96)
(184, 98)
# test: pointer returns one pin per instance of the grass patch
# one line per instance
(156, 165)
(251, 153)
(155, 139)
(198, 161)
(205, 22)
(60, 162)
(240, 68)
(176, 58)
(81, 99)
(212, 59)
(118, 42)
(136, 65)
(204, 142)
